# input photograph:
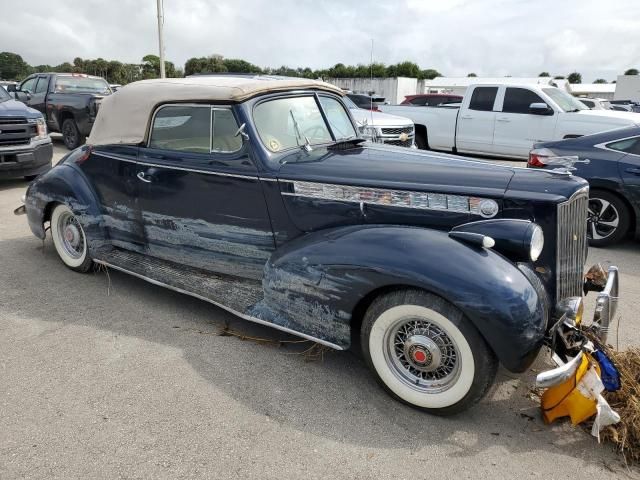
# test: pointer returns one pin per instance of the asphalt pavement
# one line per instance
(103, 375)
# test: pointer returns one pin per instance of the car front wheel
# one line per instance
(425, 353)
(69, 239)
(608, 218)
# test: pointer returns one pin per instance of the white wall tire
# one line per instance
(425, 353)
(69, 239)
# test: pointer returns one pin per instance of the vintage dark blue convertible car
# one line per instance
(256, 194)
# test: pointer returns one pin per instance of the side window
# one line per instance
(434, 101)
(224, 131)
(588, 103)
(518, 100)
(29, 85)
(630, 145)
(483, 98)
(183, 128)
(43, 83)
(419, 101)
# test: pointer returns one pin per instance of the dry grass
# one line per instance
(626, 401)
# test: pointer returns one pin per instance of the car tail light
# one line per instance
(538, 157)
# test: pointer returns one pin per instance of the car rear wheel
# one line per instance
(608, 218)
(71, 134)
(425, 353)
(69, 239)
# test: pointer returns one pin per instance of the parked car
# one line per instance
(506, 120)
(625, 105)
(5, 84)
(610, 162)
(69, 102)
(596, 103)
(365, 101)
(257, 195)
(431, 99)
(115, 87)
(381, 127)
(25, 146)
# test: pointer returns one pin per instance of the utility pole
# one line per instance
(160, 40)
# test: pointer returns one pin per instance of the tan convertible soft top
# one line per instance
(123, 117)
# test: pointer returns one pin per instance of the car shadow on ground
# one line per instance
(335, 397)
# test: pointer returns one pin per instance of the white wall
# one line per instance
(392, 89)
(627, 88)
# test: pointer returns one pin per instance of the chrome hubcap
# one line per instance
(602, 220)
(421, 354)
(70, 235)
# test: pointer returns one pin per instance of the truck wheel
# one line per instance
(71, 135)
(425, 353)
(69, 239)
(608, 218)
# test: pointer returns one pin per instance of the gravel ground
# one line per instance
(107, 376)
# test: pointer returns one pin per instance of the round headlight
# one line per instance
(536, 243)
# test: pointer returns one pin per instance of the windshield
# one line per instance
(77, 84)
(4, 95)
(566, 102)
(286, 123)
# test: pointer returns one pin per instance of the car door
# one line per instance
(26, 90)
(476, 121)
(39, 95)
(516, 129)
(200, 199)
(629, 167)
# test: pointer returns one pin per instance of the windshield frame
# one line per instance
(300, 94)
(563, 95)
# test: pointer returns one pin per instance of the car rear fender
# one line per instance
(319, 279)
(67, 185)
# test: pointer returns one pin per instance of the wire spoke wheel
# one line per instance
(71, 235)
(422, 355)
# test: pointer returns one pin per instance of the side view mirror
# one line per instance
(540, 109)
(12, 87)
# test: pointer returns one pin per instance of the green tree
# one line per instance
(631, 71)
(472, 75)
(600, 80)
(240, 66)
(558, 77)
(574, 77)
(544, 74)
(408, 69)
(429, 74)
(13, 67)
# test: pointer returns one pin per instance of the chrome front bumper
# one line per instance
(606, 308)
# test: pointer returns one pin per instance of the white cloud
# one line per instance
(488, 37)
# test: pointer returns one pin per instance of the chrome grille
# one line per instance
(399, 143)
(571, 248)
(396, 130)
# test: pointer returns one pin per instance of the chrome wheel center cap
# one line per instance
(422, 353)
(72, 235)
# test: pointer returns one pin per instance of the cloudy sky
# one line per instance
(489, 37)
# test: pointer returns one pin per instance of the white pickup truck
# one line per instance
(506, 120)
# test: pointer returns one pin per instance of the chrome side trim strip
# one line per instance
(228, 309)
(195, 170)
(171, 167)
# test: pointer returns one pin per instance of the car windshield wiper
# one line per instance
(346, 142)
(574, 110)
(307, 143)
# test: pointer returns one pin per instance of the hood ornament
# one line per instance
(565, 164)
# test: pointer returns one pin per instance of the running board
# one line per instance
(238, 294)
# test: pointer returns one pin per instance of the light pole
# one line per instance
(160, 40)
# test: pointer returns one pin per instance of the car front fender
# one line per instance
(320, 278)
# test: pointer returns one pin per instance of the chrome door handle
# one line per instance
(635, 171)
(467, 117)
(503, 119)
(142, 177)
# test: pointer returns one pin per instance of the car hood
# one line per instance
(11, 108)
(378, 119)
(613, 116)
(400, 168)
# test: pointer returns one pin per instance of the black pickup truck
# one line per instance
(68, 101)
(25, 146)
